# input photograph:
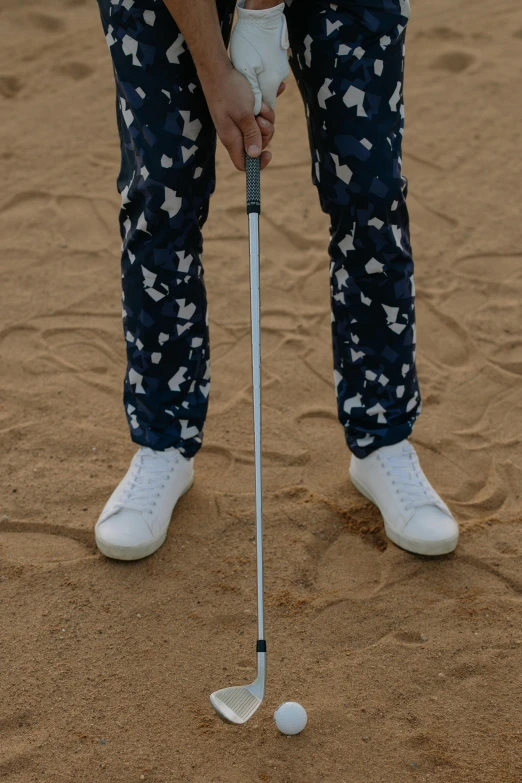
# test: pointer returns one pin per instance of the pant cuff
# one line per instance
(387, 438)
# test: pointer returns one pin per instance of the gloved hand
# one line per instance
(259, 50)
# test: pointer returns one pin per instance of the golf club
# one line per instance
(238, 703)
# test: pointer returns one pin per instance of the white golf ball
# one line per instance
(290, 717)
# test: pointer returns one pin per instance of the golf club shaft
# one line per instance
(253, 208)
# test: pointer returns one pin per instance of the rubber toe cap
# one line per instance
(125, 528)
(430, 524)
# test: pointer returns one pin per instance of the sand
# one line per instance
(409, 667)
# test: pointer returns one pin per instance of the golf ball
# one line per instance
(290, 717)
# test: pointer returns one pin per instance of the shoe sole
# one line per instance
(136, 552)
(430, 548)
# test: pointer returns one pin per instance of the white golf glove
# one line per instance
(259, 50)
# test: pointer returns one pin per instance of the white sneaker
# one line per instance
(415, 517)
(135, 520)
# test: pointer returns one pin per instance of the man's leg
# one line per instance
(348, 59)
(166, 178)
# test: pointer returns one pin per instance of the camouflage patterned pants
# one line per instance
(348, 60)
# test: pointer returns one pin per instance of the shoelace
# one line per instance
(142, 488)
(413, 487)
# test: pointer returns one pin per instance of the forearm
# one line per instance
(235, 95)
(199, 24)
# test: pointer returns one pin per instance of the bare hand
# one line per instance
(231, 103)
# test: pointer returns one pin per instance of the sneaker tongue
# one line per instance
(146, 451)
(170, 454)
(403, 447)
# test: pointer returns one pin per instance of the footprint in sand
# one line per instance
(19, 743)
(441, 33)
(74, 70)
(85, 348)
(10, 85)
(463, 671)
(451, 342)
(423, 215)
(23, 543)
(313, 282)
(278, 321)
(454, 62)
(490, 267)
(80, 221)
(87, 222)
(320, 427)
(434, 381)
(496, 330)
(52, 345)
(425, 218)
(495, 325)
(46, 22)
(215, 462)
(408, 638)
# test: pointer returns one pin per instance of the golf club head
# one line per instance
(236, 704)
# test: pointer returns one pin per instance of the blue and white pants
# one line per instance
(348, 60)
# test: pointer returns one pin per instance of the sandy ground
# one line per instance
(409, 667)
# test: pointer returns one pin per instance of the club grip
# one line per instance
(253, 184)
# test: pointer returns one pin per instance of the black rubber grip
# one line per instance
(253, 184)
(261, 646)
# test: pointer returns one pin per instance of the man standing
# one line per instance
(175, 88)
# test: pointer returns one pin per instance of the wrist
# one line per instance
(211, 71)
(260, 5)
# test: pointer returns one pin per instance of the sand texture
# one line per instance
(409, 667)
